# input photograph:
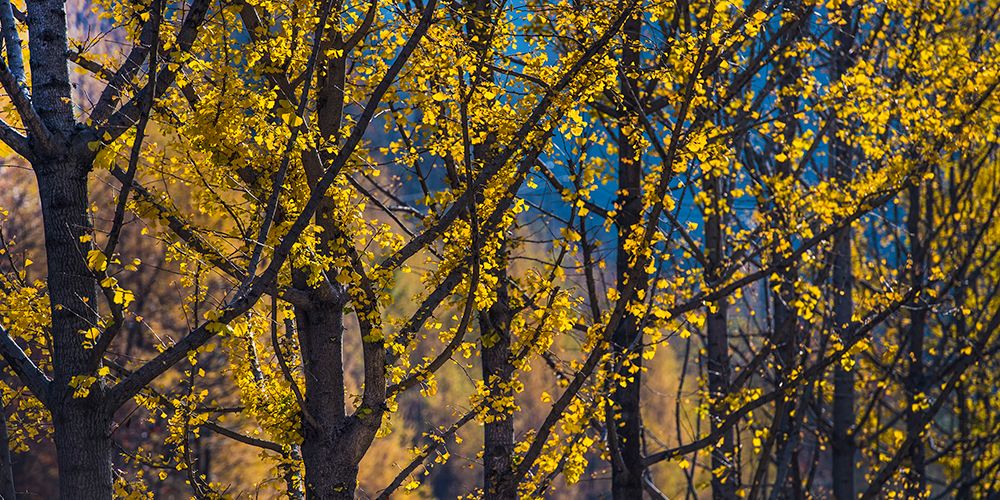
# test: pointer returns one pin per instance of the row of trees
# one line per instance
(361, 200)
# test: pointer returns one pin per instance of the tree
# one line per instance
(299, 117)
(268, 114)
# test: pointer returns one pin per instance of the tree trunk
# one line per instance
(7, 491)
(916, 480)
(320, 332)
(725, 477)
(627, 484)
(843, 447)
(330, 466)
(498, 440)
(494, 322)
(785, 324)
(81, 425)
(83, 449)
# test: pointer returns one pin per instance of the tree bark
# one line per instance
(842, 443)
(494, 321)
(331, 450)
(320, 333)
(81, 424)
(725, 476)
(785, 323)
(627, 484)
(916, 479)
(498, 441)
(7, 491)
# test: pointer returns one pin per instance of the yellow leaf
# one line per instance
(96, 260)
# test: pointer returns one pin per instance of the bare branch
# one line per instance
(236, 436)
(129, 113)
(24, 108)
(12, 44)
(419, 459)
(116, 83)
(14, 140)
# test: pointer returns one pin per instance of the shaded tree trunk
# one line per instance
(916, 480)
(842, 443)
(725, 477)
(81, 425)
(494, 321)
(785, 323)
(6, 470)
(627, 483)
(498, 440)
(320, 332)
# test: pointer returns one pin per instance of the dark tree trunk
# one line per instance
(332, 449)
(335, 442)
(83, 449)
(494, 322)
(964, 488)
(785, 324)
(916, 480)
(843, 447)
(320, 332)
(6, 470)
(82, 426)
(726, 477)
(498, 440)
(627, 484)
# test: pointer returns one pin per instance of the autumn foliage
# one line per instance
(567, 249)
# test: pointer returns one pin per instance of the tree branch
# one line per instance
(29, 117)
(23, 367)
(236, 436)
(116, 82)
(12, 44)
(14, 140)
(516, 144)
(122, 392)
(129, 113)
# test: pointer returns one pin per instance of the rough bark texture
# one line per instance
(964, 490)
(494, 322)
(332, 451)
(916, 479)
(726, 478)
(81, 425)
(498, 440)
(842, 442)
(48, 46)
(6, 471)
(627, 483)
(320, 333)
(83, 450)
(785, 322)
